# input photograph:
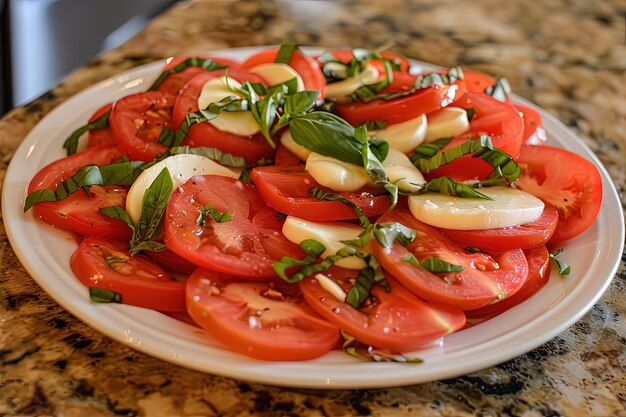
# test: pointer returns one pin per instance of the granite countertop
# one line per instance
(569, 57)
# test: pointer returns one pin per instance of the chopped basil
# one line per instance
(204, 63)
(369, 276)
(71, 143)
(359, 350)
(564, 269)
(385, 234)
(280, 216)
(320, 194)
(428, 150)
(245, 177)
(285, 53)
(375, 125)
(500, 91)
(369, 92)
(475, 250)
(434, 265)
(450, 186)
(470, 113)
(223, 158)
(102, 295)
(110, 260)
(216, 215)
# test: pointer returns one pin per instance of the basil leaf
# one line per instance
(312, 248)
(373, 165)
(564, 269)
(116, 212)
(500, 91)
(245, 177)
(368, 92)
(434, 265)
(300, 102)
(110, 260)
(216, 215)
(367, 278)
(285, 53)
(150, 245)
(71, 143)
(223, 158)
(320, 194)
(472, 249)
(359, 350)
(449, 186)
(428, 150)
(385, 234)
(102, 295)
(121, 173)
(39, 196)
(470, 113)
(375, 125)
(204, 63)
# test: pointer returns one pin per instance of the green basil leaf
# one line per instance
(375, 125)
(367, 278)
(300, 102)
(500, 91)
(472, 249)
(285, 53)
(385, 234)
(110, 260)
(215, 154)
(373, 165)
(245, 176)
(312, 248)
(449, 186)
(216, 215)
(434, 265)
(470, 113)
(320, 194)
(121, 173)
(564, 269)
(204, 63)
(117, 212)
(39, 196)
(354, 348)
(71, 143)
(149, 245)
(102, 295)
(428, 150)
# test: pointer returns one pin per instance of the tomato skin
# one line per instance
(477, 82)
(308, 68)
(285, 158)
(501, 121)
(138, 280)
(252, 148)
(232, 247)
(100, 137)
(565, 180)
(483, 281)
(398, 321)
(534, 133)
(285, 189)
(175, 82)
(525, 236)
(243, 317)
(79, 212)
(538, 276)
(170, 260)
(137, 121)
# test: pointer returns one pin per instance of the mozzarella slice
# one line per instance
(332, 287)
(287, 141)
(276, 73)
(447, 122)
(329, 234)
(339, 90)
(399, 168)
(335, 174)
(181, 168)
(404, 136)
(239, 123)
(509, 207)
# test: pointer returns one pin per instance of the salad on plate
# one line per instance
(293, 204)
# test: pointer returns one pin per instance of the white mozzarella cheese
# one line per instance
(447, 122)
(399, 168)
(339, 90)
(240, 123)
(509, 207)
(287, 141)
(404, 136)
(276, 73)
(329, 234)
(332, 287)
(181, 168)
(335, 174)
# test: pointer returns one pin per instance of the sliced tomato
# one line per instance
(308, 67)
(174, 82)
(484, 279)
(538, 275)
(566, 181)
(231, 247)
(80, 212)
(395, 320)
(100, 263)
(100, 137)
(170, 260)
(534, 133)
(252, 148)
(286, 190)
(525, 236)
(477, 82)
(285, 158)
(137, 121)
(264, 320)
(501, 121)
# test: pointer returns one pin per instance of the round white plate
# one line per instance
(45, 252)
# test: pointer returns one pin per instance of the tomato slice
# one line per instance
(170, 260)
(477, 82)
(232, 247)
(286, 190)
(538, 275)
(100, 137)
(395, 320)
(534, 133)
(525, 236)
(484, 279)
(252, 148)
(566, 181)
(501, 121)
(80, 212)
(285, 158)
(174, 82)
(264, 320)
(137, 121)
(308, 68)
(100, 263)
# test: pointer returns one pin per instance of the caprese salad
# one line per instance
(293, 204)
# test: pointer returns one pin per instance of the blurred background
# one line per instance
(41, 41)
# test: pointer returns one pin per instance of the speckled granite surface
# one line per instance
(567, 56)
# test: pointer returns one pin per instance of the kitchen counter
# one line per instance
(568, 57)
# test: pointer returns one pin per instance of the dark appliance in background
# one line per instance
(41, 41)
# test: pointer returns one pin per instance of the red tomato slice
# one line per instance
(285, 189)
(285, 158)
(136, 278)
(484, 279)
(501, 121)
(538, 275)
(100, 137)
(398, 320)
(566, 181)
(525, 236)
(80, 212)
(308, 68)
(170, 260)
(264, 320)
(232, 247)
(252, 148)
(174, 82)
(137, 121)
(477, 82)
(534, 134)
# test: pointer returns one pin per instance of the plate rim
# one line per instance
(282, 372)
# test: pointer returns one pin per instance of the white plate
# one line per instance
(45, 252)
